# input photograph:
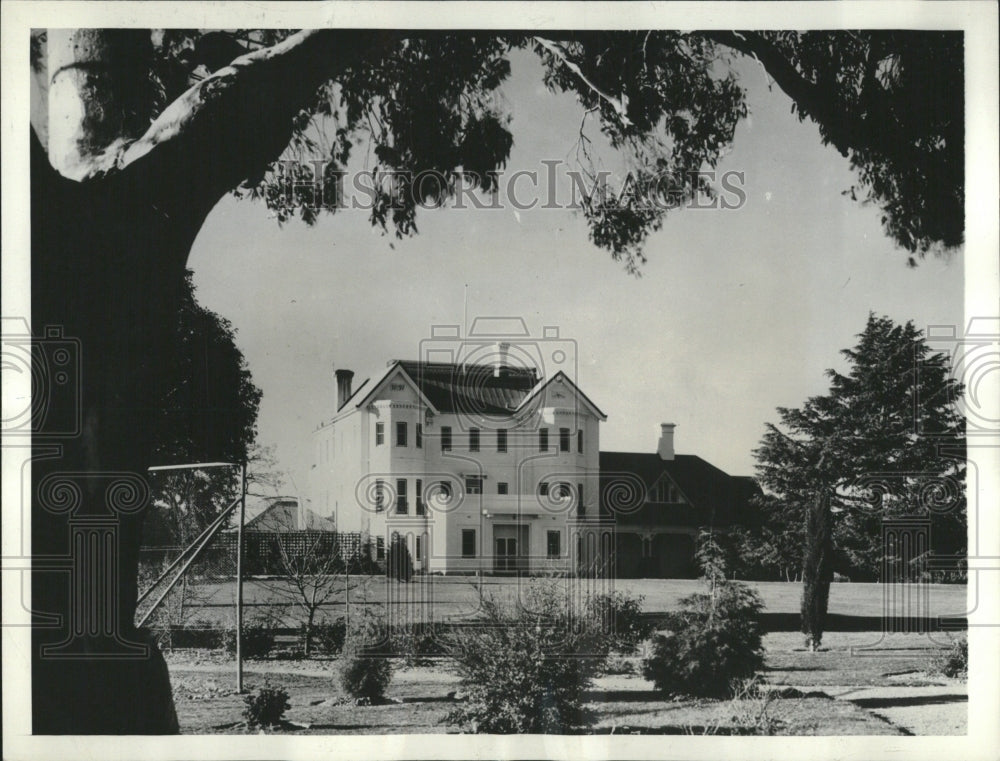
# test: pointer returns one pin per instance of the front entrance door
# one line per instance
(510, 549)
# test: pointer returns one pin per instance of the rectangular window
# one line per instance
(379, 495)
(579, 499)
(579, 441)
(380, 548)
(473, 439)
(418, 494)
(501, 439)
(446, 489)
(552, 544)
(564, 439)
(446, 438)
(501, 487)
(379, 434)
(473, 484)
(400, 434)
(420, 548)
(468, 542)
(418, 436)
(543, 488)
(401, 506)
(543, 439)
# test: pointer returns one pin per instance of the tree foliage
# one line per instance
(208, 414)
(885, 441)
(667, 103)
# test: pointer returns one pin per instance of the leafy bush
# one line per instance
(955, 663)
(365, 676)
(364, 669)
(258, 641)
(265, 707)
(330, 637)
(526, 668)
(714, 641)
(618, 616)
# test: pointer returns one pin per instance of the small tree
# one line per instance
(398, 562)
(312, 572)
(714, 641)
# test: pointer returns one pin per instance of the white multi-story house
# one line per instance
(483, 468)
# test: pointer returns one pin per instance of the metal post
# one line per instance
(239, 579)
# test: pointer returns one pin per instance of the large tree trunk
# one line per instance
(817, 570)
(113, 217)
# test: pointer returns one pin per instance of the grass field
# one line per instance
(449, 597)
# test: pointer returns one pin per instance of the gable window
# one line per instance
(418, 436)
(379, 434)
(543, 439)
(552, 544)
(501, 439)
(666, 491)
(473, 484)
(501, 487)
(446, 438)
(579, 441)
(473, 439)
(468, 542)
(379, 495)
(400, 434)
(564, 439)
(401, 506)
(418, 495)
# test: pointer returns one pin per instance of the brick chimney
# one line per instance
(344, 378)
(665, 449)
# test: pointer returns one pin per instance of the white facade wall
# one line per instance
(349, 462)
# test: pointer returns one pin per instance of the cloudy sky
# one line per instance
(736, 313)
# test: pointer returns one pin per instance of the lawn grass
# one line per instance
(421, 698)
(449, 597)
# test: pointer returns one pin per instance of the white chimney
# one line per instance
(503, 352)
(665, 449)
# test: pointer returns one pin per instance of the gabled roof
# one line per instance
(377, 386)
(540, 386)
(279, 515)
(713, 496)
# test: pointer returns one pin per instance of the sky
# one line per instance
(737, 312)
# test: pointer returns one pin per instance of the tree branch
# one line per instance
(232, 124)
(557, 51)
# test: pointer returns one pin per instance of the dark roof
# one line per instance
(471, 389)
(712, 496)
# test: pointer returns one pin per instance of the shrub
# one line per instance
(714, 641)
(330, 637)
(265, 707)
(619, 617)
(525, 669)
(398, 563)
(258, 641)
(416, 643)
(955, 663)
(365, 676)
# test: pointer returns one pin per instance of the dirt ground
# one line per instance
(859, 684)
